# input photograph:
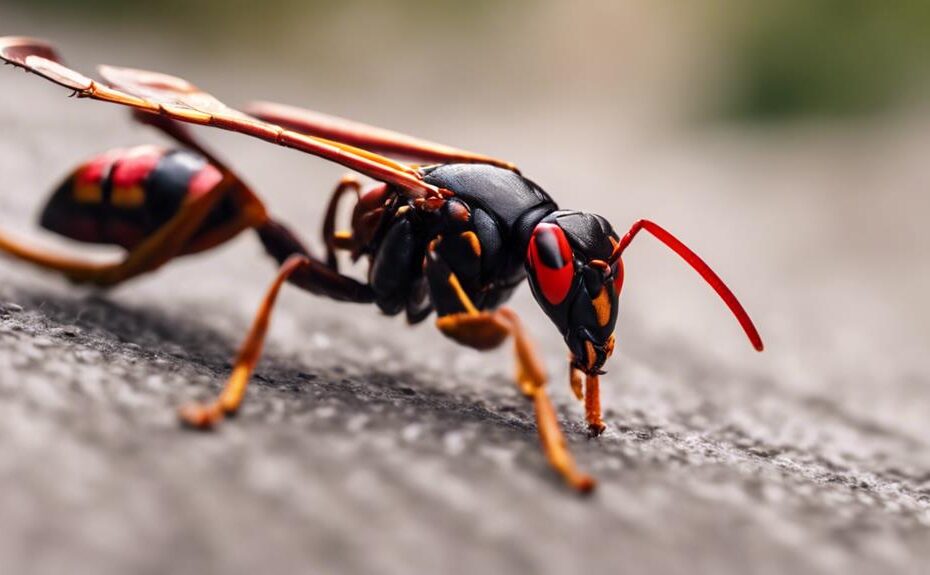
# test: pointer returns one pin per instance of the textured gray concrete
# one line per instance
(368, 447)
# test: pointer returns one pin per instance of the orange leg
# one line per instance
(592, 404)
(205, 416)
(591, 394)
(337, 239)
(485, 330)
(575, 380)
(169, 241)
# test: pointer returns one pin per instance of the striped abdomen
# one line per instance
(122, 196)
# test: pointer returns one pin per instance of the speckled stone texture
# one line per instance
(368, 447)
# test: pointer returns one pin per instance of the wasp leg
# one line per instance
(461, 320)
(316, 277)
(575, 381)
(554, 444)
(592, 404)
(587, 388)
(485, 330)
(169, 241)
(332, 239)
(299, 269)
(203, 416)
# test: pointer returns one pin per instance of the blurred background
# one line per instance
(785, 141)
(711, 60)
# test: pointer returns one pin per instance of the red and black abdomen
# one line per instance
(122, 196)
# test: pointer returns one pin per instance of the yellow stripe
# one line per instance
(132, 197)
(87, 194)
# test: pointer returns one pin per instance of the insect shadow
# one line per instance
(110, 327)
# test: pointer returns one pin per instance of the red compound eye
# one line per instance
(550, 259)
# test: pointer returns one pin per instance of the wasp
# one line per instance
(444, 230)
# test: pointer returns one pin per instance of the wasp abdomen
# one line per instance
(122, 196)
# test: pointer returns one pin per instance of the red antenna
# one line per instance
(700, 267)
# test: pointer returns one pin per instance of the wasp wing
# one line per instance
(372, 138)
(180, 100)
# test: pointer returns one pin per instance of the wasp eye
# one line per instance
(550, 258)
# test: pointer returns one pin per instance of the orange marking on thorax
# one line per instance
(473, 241)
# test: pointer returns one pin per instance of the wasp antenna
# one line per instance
(700, 267)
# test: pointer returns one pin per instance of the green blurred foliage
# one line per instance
(826, 57)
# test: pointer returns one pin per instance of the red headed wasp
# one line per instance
(455, 233)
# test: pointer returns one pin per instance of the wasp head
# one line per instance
(576, 276)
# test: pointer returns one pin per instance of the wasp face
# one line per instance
(573, 279)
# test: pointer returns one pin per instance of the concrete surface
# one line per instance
(368, 447)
